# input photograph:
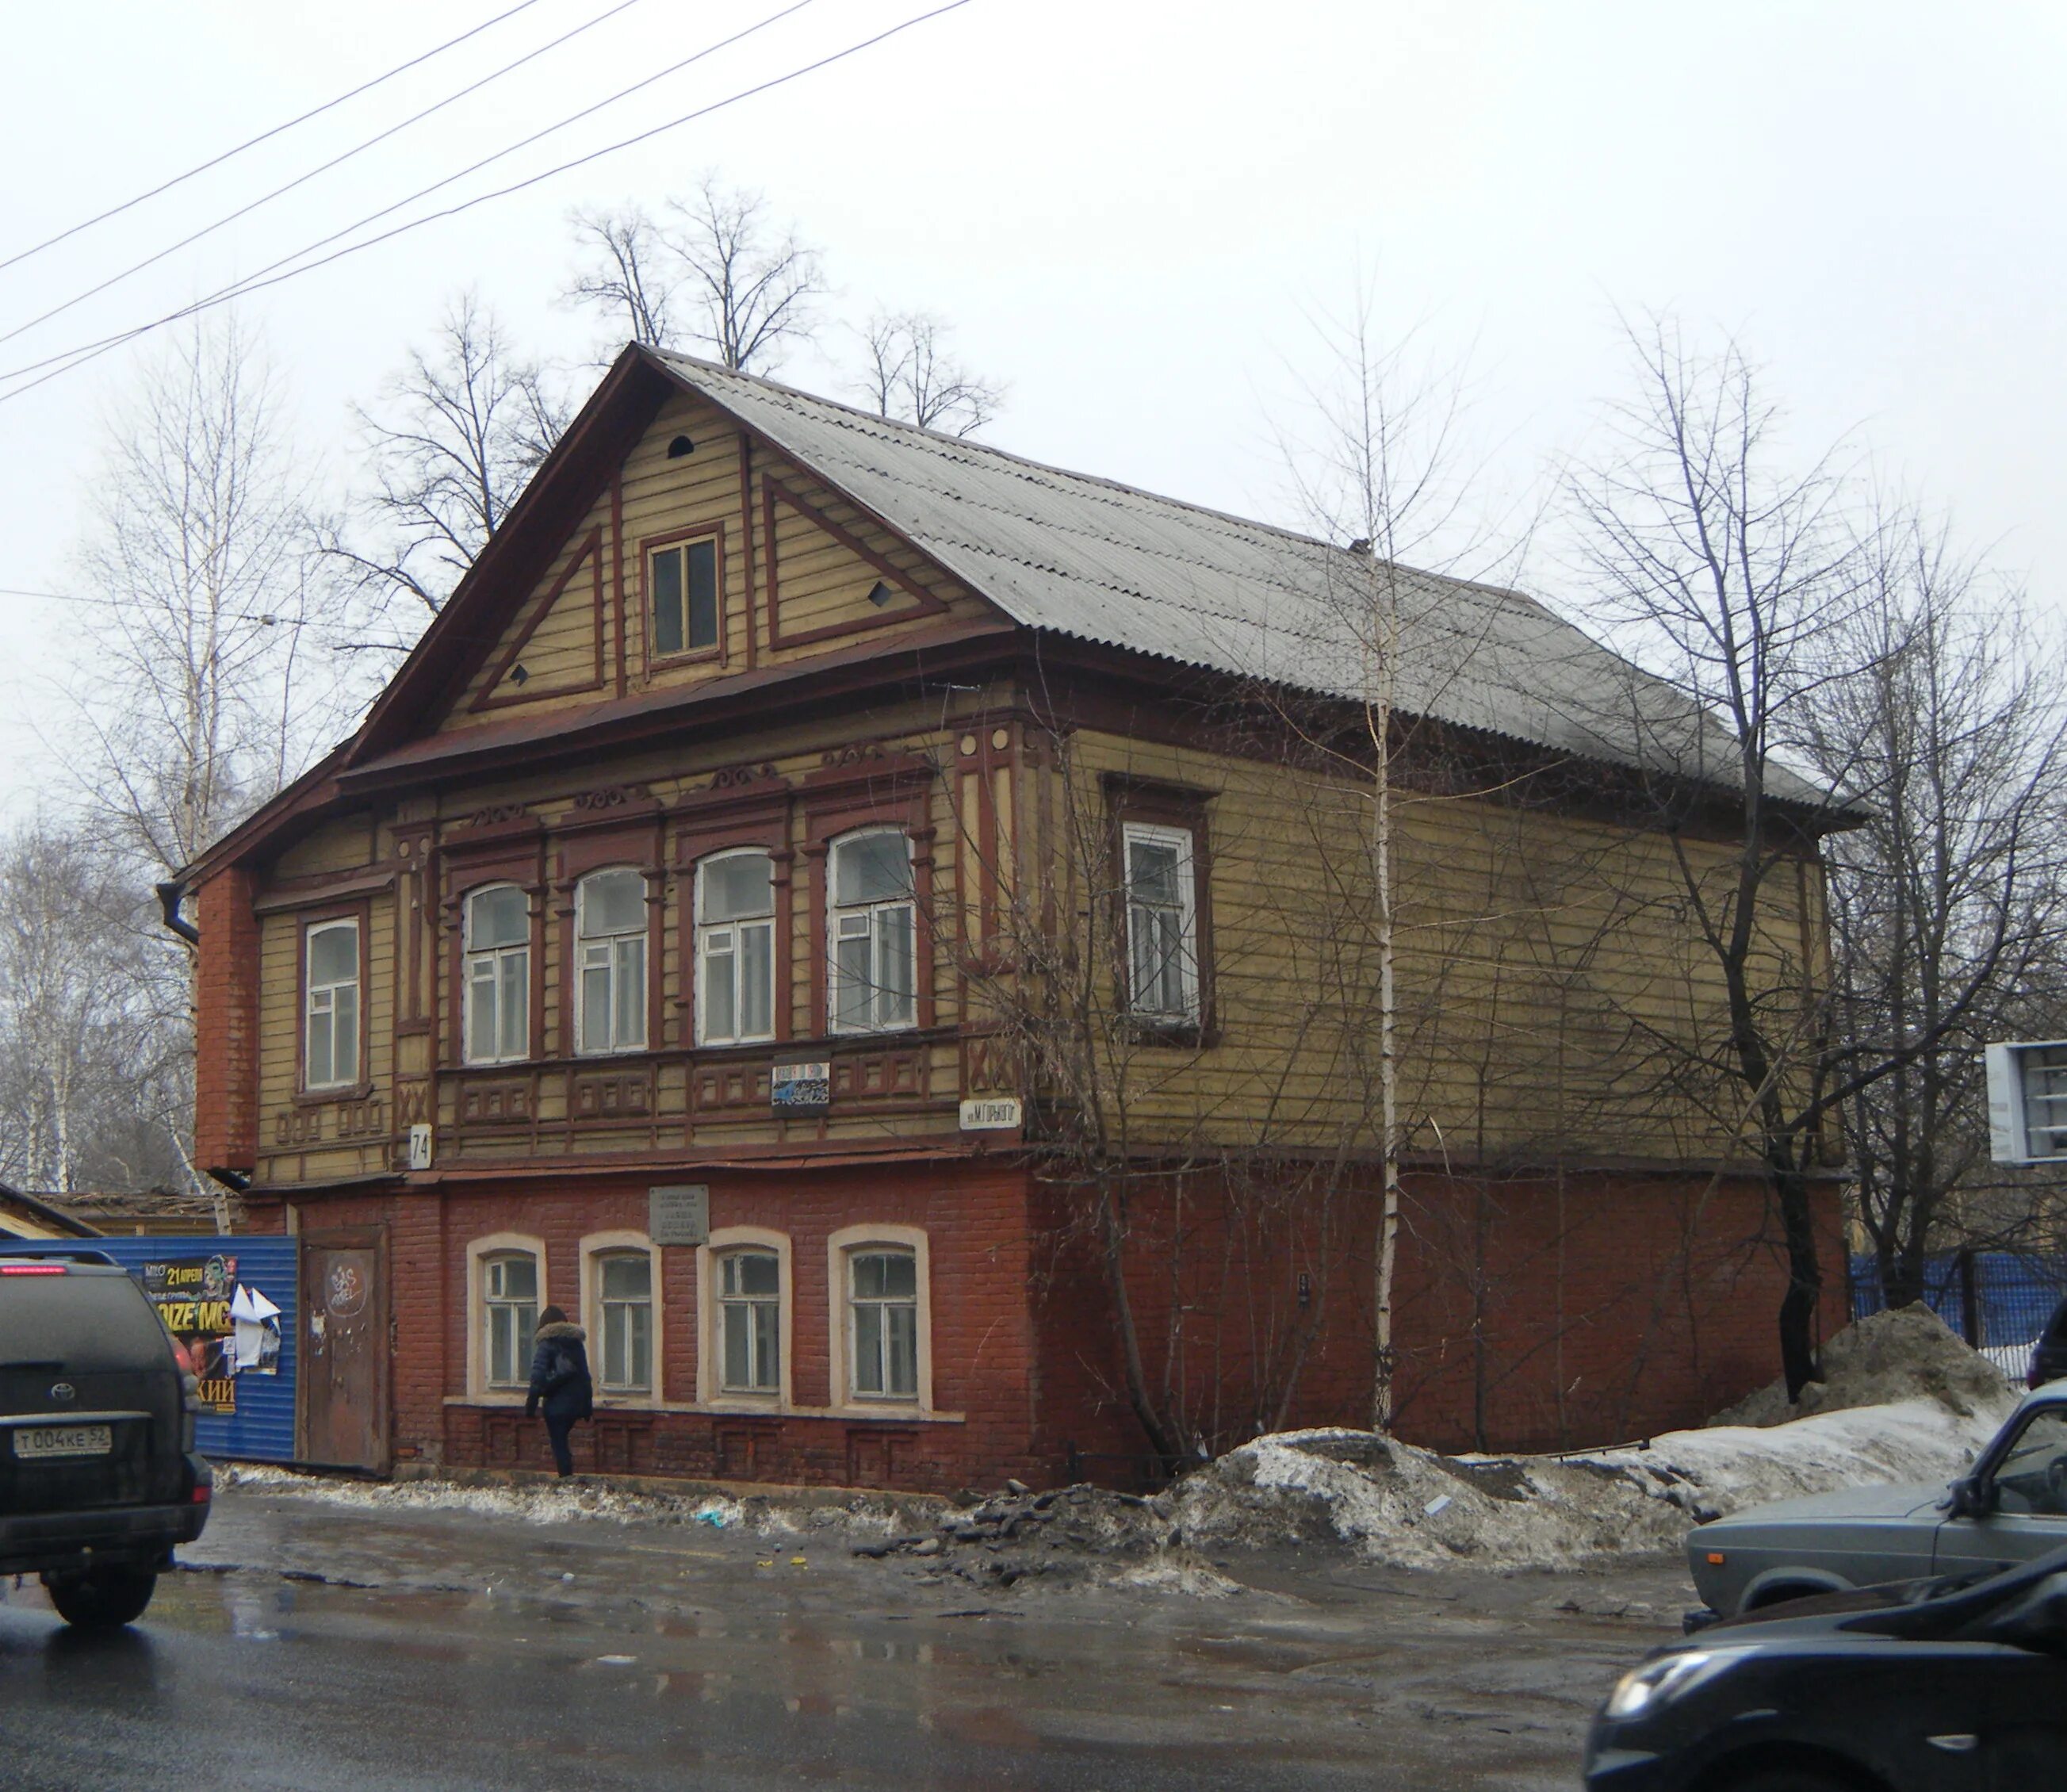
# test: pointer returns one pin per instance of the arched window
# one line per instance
(510, 1310)
(873, 945)
(609, 924)
(497, 945)
(735, 948)
(624, 1299)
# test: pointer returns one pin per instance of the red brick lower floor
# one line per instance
(934, 1324)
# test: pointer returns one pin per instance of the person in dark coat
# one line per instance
(560, 1382)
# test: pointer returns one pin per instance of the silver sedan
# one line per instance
(2009, 1509)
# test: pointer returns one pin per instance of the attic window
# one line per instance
(679, 446)
(518, 673)
(683, 583)
(880, 594)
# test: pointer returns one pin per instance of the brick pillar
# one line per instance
(226, 1024)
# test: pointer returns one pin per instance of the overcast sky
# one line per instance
(1126, 209)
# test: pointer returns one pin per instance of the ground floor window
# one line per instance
(624, 1292)
(750, 1308)
(509, 1306)
(882, 1304)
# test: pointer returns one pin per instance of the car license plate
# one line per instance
(32, 1441)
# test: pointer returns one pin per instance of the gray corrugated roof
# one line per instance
(1102, 561)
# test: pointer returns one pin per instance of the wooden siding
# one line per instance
(1542, 960)
(796, 568)
(1548, 971)
(647, 811)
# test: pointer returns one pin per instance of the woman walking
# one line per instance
(560, 1382)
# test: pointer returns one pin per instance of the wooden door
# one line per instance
(344, 1349)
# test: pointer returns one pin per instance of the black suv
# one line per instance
(98, 1476)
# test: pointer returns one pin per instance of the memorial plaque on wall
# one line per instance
(679, 1213)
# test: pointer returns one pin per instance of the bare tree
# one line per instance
(458, 432)
(1735, 578)
(627, 278)
(196, 694)
(195, 689)
(94, 1088)
(1378, 465)
(909, 375)
(715, 275)
(1943, 712)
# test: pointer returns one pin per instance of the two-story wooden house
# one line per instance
(880, 929)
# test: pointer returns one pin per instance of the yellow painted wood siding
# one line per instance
(822, 583)
(1547, 971)
(1545, 963)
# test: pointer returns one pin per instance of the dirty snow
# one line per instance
(558, 1502)
(1908, 1353)
(1419, 1509)
(1385, 1501)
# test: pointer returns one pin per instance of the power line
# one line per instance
(266, 136)
(272, 618)
(323, 168)
(77, 356)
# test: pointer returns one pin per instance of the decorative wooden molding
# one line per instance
(490, 1104)
(715, 1088)
(879, 1075)
(500, 818)
(610, 796)
(627, 1094)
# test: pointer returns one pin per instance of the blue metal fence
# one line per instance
(262, 1429)
(1996, 1300)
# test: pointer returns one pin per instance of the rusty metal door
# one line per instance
(345, 1349)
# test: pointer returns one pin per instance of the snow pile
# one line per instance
(1908, 1353)
(1412, 1508)
(1386, 1500)
(558, 1502)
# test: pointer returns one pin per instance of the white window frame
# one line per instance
(725, 939)
(852, 1241)
(839, 915)
(470, 959)
(711, 1390)
(596, 1248)
(319, 1000)
(479, 1252)
(1182, 838)
(609, 945)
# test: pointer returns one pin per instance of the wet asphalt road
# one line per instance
(488, 1652)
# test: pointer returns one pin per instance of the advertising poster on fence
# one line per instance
(192, 1296)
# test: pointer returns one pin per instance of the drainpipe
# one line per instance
(170, 895)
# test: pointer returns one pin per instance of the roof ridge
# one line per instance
(866, 419)
(875, 420)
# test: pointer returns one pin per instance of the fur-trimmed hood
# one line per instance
(561, 1328)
